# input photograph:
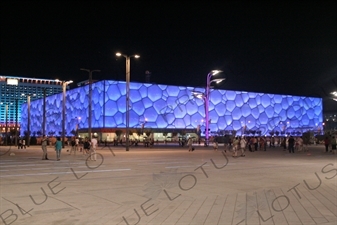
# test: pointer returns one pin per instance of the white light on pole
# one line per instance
(127, 112)
(64, 88)
(205, 96)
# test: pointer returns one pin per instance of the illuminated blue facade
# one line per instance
(164, 106)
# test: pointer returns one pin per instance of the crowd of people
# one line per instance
(86, 147)
(292, 144)
(236, 145)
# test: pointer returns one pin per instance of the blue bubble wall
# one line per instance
(164, 106)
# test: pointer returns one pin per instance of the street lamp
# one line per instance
(6, 124)
(127, 113)
(90, 98)
(334, 95)
(28, 120)
(205, 96)
(64, 87)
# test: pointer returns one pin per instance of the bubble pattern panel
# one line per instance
(164, 106)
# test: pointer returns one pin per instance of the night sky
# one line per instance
(284, 47)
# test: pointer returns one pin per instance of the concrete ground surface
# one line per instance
(168, 185)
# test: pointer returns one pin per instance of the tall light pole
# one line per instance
(28, 128)
(64, 88)
(28, 119)
(6, 124)
(205, 96)
(127, 113)
(90, 98)
(16, 120)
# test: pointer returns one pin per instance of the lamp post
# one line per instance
(205, 96)
(6, 124)
(90, 98)
(28, 119)
(64, 88)
(127, 113)
(28, 128)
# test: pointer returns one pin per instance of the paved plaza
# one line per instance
(168, 185)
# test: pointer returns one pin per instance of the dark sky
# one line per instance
(287, 47)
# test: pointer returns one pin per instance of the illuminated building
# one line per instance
(174, 107)
(15, 90)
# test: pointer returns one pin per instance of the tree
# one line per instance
(306, 138)
(139, 132)
(73, 132)
(148, 132)
(118, 133)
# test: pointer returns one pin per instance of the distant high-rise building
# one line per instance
(14, 91)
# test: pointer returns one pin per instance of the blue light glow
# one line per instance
(174, 107)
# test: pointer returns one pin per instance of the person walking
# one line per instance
(236, 144)
(284, 143)
(86, 146)
(215, 144)
(58, 148)
(256, 143)
(93, 155)
(300, 144)
(20, 143)
(243, 146)
(189, 144)
(291, 143)
(262, 144)
(333, 144)
(226, 143)
(77, 143)
(73, 146)
(23, 143)
(326, 143)
(44, 144)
